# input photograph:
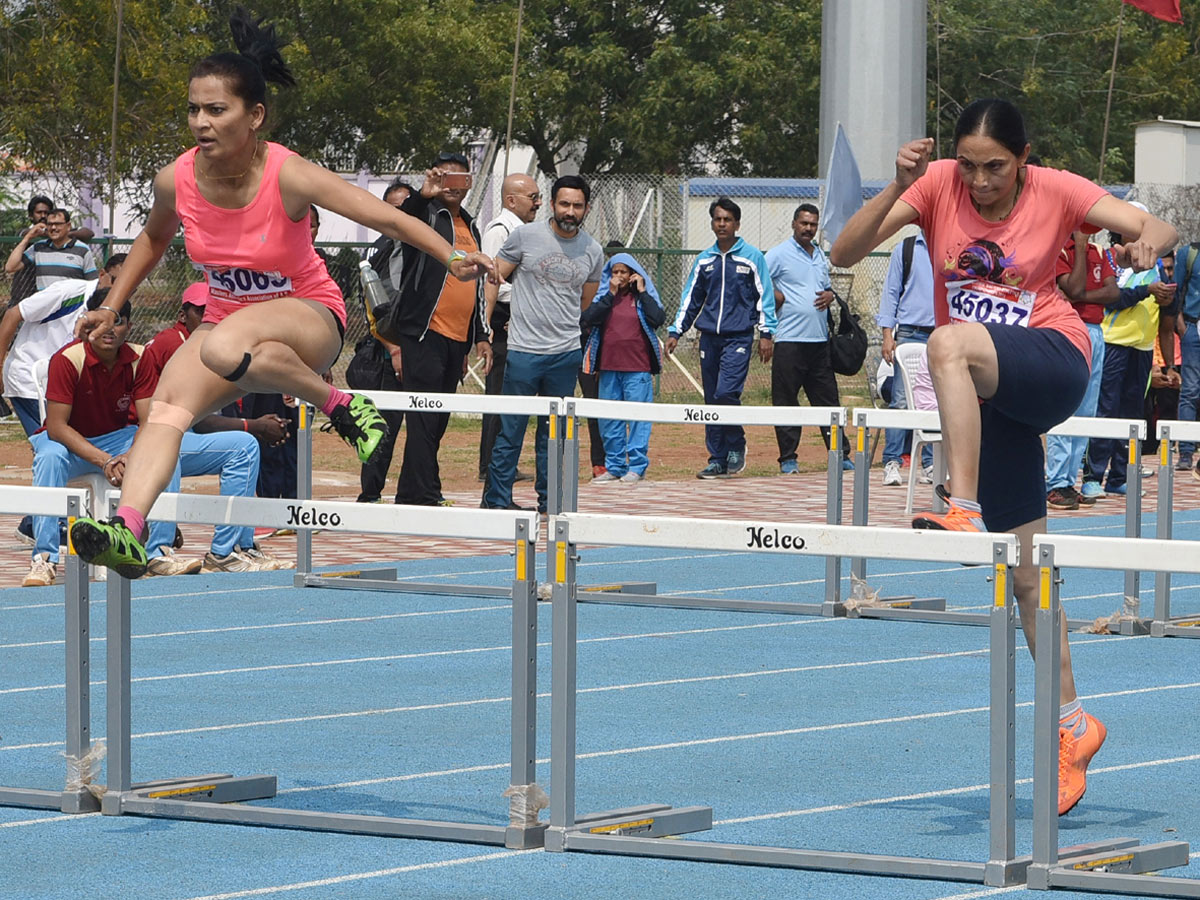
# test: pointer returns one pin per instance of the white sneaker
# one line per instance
(891, 473)
(630, 478)
(233, 562)
(41, 573)
(170, 564)
(605, 478)
(926, 476)
(264, 561)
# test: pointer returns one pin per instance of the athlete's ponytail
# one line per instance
(257, 61)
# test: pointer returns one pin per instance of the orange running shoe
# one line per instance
(954, 519)
(1074, 754)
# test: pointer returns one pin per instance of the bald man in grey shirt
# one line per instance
(554, 268)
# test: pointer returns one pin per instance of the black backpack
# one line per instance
(848, 344)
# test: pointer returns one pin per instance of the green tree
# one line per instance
(1053, 60)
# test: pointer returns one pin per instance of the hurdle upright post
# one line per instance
(1047, 664)
(1164, 524)
(1133, 529)
(118, 639)
(78, 670)
(564, 661)
(304, 472)
(523, 757)
(1000, 870)
(833, 516)
(862, 480)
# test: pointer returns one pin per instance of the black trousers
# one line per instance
(373, 477)
(277, 466)
(797, 366)
(494, 382)
(589, 383)
(431, 364)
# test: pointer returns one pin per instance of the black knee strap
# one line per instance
(240, 370)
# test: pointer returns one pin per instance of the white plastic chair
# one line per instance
(95, 483)
(909, 357)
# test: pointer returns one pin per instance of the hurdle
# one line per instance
(75, 796)
(218, 798)
(387, 578)
(813, 416)
(1164, 625)
(934, 610)
(1122, 870)
(632, 831)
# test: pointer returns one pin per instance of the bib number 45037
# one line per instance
(984, 301)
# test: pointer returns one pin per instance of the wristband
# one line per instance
(455, 256)
(245, 425)
(114, 312)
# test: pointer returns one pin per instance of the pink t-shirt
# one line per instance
(1003, 271)
(255, 253)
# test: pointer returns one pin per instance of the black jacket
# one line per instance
(414, 279)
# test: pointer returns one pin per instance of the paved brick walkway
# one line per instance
(798, 499)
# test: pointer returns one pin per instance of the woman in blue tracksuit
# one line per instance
(624, 350)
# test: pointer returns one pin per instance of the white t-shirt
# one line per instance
(49, 325)
(493, 238)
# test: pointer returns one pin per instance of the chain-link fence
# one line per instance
(661, 220)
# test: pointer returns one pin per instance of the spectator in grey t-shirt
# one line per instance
(555, 269)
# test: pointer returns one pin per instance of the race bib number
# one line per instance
(985, 301)
(246, 285)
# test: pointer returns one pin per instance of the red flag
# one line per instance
(1167, 10)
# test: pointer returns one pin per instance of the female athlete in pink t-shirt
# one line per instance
(1015, 363)
(276, 319)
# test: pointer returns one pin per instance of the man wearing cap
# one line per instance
(216, 445)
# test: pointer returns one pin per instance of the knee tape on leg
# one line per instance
(240, 370)
(170, 415)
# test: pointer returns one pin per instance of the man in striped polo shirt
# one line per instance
(56, 256)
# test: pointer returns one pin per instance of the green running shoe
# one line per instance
(360, 425)
(109, 544)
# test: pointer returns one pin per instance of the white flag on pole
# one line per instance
(843, 187)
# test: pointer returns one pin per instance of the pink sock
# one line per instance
(133, 519)
(335, 399)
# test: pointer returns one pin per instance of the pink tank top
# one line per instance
(254, 253)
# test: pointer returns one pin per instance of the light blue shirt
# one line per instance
(1191, 300)
(799, 277)
(914, 304)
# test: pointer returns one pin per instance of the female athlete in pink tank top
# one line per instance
(275, 319)
(1008, 356)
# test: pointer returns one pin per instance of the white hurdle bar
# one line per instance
(217, 798)
(1164, 625)
(865, 418)
(74, 797)
(631, 831)
(1114, 872)
(386, 579)
(833, 417)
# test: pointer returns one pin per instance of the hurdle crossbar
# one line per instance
(632, 831)
(646, 594)
(1164, 624)
(217, 798)
(75, 796)
(1124, 871)
(934, 610)
(371, 577)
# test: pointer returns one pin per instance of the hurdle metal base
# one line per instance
(1119, 868)
(1184, 627)
(649, 820)
(386, 580)
(81, 801)
(726, 604)
(644, 588)
(216, 788)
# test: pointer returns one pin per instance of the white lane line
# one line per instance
(363, 876)
(100, 601)
(46, 821)
(792, 623)
(454, 704)
(307, 624)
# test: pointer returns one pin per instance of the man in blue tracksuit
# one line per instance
(727, 293)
